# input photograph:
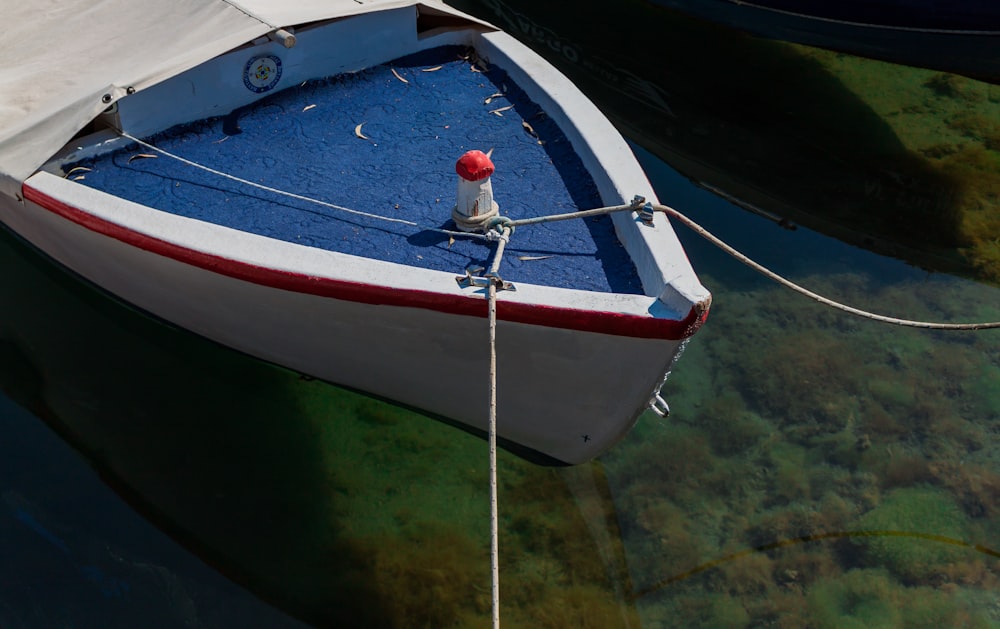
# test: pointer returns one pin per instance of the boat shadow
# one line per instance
(334, 507)
(216, 449)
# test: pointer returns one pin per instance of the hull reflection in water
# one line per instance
(337, 508)
(961, 36)
(900, 161)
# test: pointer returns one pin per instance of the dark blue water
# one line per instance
(73, 553)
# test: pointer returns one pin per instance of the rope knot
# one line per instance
(499, 228)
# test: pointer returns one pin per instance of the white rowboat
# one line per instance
(280, 180)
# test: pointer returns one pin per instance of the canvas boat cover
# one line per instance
(65, 61)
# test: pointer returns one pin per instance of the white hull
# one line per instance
(568, 394)
(575, 368)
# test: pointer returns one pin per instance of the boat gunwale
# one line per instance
(673, 308)
(619, 314)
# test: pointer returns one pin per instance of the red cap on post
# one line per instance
(474, 166)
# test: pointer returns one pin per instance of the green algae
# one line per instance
(731, 426)
(872, 599)
(953, 122)
(705, 612)
(860, 599)
(910, 450)
(925, 510)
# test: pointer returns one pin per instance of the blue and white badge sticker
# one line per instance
(262, 73)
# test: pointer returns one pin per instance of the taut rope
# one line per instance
(638, 204)
(704, 233)
(494, 517)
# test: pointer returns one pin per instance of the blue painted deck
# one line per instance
(302, 140)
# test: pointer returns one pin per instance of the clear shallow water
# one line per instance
(793, 429)
(818, 470)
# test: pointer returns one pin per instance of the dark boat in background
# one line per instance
(961, 36)
(801, 135)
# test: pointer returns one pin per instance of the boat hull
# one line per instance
(560, 395)
(967, 43)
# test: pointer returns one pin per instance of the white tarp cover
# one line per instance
(61, 57)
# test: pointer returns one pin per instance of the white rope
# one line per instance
(704, 233)
(292, 195)
(635, 205)
(494, 517)
(494, 510)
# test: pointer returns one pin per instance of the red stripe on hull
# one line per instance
(548, 316)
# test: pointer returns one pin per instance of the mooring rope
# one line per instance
(494, 280)
(293, 195)
(638, 205)
(704, 233)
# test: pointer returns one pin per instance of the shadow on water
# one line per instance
(212, 446)
(74, 554)
(337, 508)
(773, 128)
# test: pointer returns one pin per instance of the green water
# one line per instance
(860, 459)
(818, 470)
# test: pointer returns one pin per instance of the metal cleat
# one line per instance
(483, 281)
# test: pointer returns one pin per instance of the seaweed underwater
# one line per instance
(952, 124)
(822, 470)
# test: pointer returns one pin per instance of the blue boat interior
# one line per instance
(384, 141)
